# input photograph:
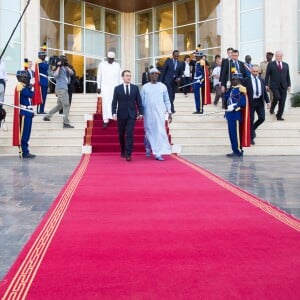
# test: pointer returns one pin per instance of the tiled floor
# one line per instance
(28, 187)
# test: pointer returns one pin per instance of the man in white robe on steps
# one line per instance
(156, 104)
(108, 77)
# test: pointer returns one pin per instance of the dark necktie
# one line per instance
(237, 66)
(127, 90)
(256, 84)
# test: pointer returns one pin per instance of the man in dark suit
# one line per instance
(257, 96)
(279, 82)
(171, 74)
(30, 72)
(229, 67)
(145, 76)
(126, 101)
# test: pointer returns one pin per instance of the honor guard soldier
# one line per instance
(41, 76)
(237, 116)
(23, 116)
(201, 83)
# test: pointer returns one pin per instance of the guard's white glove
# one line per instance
(32, 81)
(230, 107)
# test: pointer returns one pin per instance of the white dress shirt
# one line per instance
(254, 87)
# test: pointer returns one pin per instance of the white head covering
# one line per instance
(154, 70)
(111, 54)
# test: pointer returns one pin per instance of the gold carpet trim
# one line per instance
(26, 273)
(267, 208)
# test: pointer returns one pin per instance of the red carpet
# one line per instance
(157, 230)
(106, 140)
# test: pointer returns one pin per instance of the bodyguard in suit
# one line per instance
(257, 97)
(229, 67)
(145, 76)
(279, 82)
(126, 101)
(171, 74)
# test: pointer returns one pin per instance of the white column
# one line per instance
(230, 26)
(128, 43)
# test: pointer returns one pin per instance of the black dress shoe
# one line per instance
(234, 154)
(46, 119)
(105, 125)
(280, 119)
(128, 158)
(68, 126)
(252, 142)
(29, 155)
(272, 111)
(196, 112)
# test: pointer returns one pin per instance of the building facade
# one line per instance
(142, 36)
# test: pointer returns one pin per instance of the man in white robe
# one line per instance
(108, 77)
(156, 103)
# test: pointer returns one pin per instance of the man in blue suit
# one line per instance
(171, 74)
(126, 102)
(257, 96)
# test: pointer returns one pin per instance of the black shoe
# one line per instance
(105, 125)
(128, 158)
(46, 119)
(280, 119)
(252, 142)
(234, 154)
(68, 126)
(196, 112)
(29, 155)
(271, 111)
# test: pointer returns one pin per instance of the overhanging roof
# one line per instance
(128, 5)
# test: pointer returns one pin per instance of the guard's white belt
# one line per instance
(27, 107)
(43, 75)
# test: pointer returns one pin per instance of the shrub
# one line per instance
(295, 100)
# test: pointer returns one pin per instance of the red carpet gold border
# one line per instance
(282, 217)
(24, 277)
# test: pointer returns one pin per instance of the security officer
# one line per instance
(23, 117)
(42, 68)
(236, 101)
(198, 82)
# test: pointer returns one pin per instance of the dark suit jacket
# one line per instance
(276, 78)
(126, 106)
(30, 75)
(226, 74)
(169, 73)
(249, 86)
(145, 77)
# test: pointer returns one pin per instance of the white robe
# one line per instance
(108, 77)
(156, 103)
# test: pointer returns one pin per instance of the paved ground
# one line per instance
(28, 188)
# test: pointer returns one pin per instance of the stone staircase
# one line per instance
(191, 134)
(49, 138)
(208, 134)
